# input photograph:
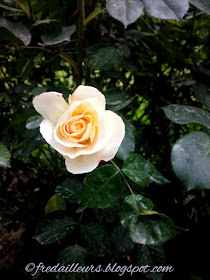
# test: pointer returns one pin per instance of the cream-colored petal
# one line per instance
(85, 92)
(47, 130)
(77, 108)
(83, 164)
(117, 126)
(109, 141)
(104, 136)
(51, 105)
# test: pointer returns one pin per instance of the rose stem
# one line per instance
(81, 19)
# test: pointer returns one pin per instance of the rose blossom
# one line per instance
(82, 131)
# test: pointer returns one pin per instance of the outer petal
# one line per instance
(83, 164)
(51, 105)
(118, 132)
(85, 92)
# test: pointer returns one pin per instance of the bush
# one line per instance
(150, 204)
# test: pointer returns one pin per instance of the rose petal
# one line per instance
(83, 164)
(87, 163)
(51, 105)
(47, 130)
(99, 142)
(85, 92)
(117, 126)
(88, 106)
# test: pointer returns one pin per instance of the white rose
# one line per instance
(82, 131)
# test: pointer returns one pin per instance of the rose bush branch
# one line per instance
(81, 19)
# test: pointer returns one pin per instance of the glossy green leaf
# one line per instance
(116, 100)
(72, 255)
(166, 9)
(58, 38)
(145, 226)
(142, 172)
(134, 205)
(4, 156)
(70, 190)
(203, 5)
(190, 159)
(153, 256)
(202, 94)
(54, 228)
(102, 187)
(34, 122)
(55, 203)
(8, 8)
(137, 35)
(126, 11)
(107, 58)
(17, 29)
(44, 21)
(38, 90)
(21, 118)
(128, 144)
(121, 241)
(182, 114)
(95, 238)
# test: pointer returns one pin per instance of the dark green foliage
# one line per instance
(191, 160)
(141, 171)
(151, 61)
(102, 187)
(4, 156)
(54, 228)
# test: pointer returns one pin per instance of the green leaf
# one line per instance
(134, 205)
(142, 172)
(21, 118)
(121, 242)
(11, 9)
(58, 38)
(44, 21)
(108, 58)
(182, 114)
(126, 11)
(153, 256)
(17, 30)
(4, 156)
(137, 35)
(72, 254)
(203, 5)
(116, 100)
(191, 160)
(34, 122)
(70, 190)
(166, 9)
(202, 94)
(128, 144)
(95, 238)
(145, 226)
(54, 228)
(55, 203)
(102, 187)
(38, 90)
